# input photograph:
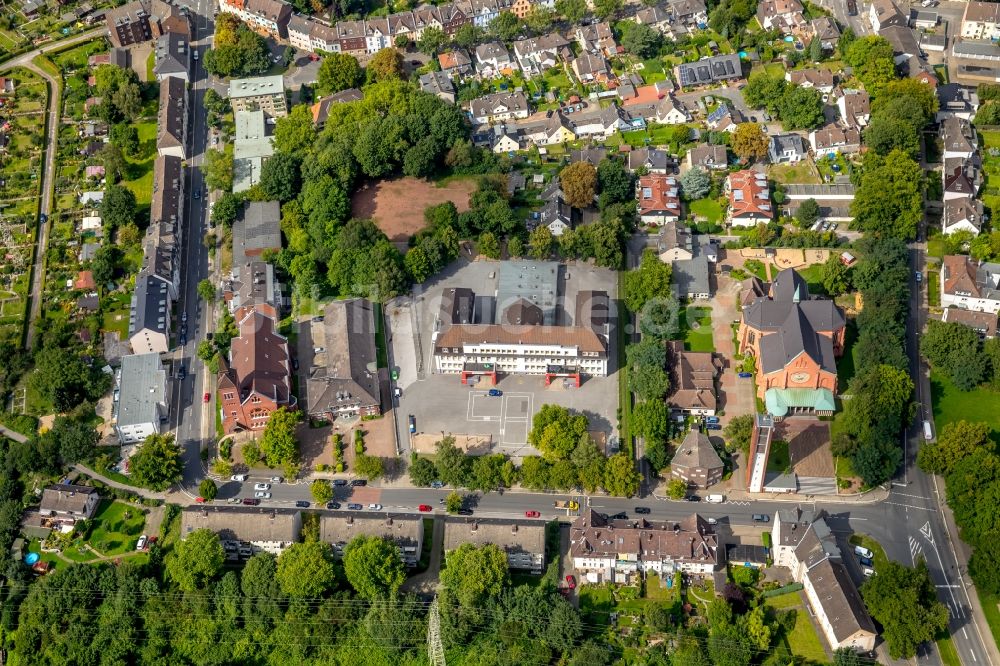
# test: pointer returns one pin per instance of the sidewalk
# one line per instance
(142, 492)
(16, 436)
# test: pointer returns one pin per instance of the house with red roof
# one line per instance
(749, 199)
(658, 198)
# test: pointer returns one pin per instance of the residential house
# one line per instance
(666, 110)
(256, 378)
(708, 71)
(546, 129)
(263, 93)
(498, 107)
(958, 137)
(652, 160)
(659, 199)
(256, 229)
(749, 199)
(377, 34)
(440, 84)
(84, 281)
(142, 21)
(248, 529)
(172, 57)
(455, 63)
(591, 68)
(94, 198)
(804, 543)
(724, 118)
(253, 288)
(820, 79)
(956, 100)
(983, 323)
(267, 16)
(786, 148)
(656, 18)
(796, 339)
(924, 19)
(503, 141)
(141, 407)
(403, 530)
(707, 156)
(600, 123)
(693, 390)
(522, 540)
(321, 109)
(981, 20)
(69, 500)
(962, 177)
(597, 39)
(885, 13)
(343, 374)
(555, 213)
(493, 60)
(834, 139)
(253, 146)
(970, 285)
(691, 257)
(855, 108)
(606, 550)
(782, 15)
(590, 154)
(696, 462)
(964, 214)
(826, 31)
(171, 125)
(688, 13)
(149, 315)
(538, 54)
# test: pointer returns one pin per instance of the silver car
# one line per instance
(262, 495)
(262, 486)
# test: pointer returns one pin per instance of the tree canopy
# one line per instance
(555, 431)
(157, 464)
(373, 567)
(475, 573)
(904, 601)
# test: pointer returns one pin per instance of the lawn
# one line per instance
(880, 560)
(697, 339)
(793, 173)
(991, 609)
(779, 460)
(814, 278)
(708, 209)
(117, 526)
(933, 289)
(845, 364)
(936, 246)
(952, 405)
(595, 605)
(803, 640)
(775, 69)
(141, 169)
(949, 655)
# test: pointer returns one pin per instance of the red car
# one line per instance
(571, 581)
(199, 500)
(531, 514)
(425, 508)
(206, 397)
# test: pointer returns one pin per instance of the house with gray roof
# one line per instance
(172, 57)
(498, 107)
(253, 287)
(67, 500)
(653, 160)
(253, 145)
(804, 543)
(405, 531)
(171, 125)
(149, 315)
(522, 540)
(257, 228)
(708, 71)
(439, 84)
(244, 531)
(786, 148)
(343, 373)
(696, 461)
(141, 408)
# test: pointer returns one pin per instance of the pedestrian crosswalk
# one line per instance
(916, 550)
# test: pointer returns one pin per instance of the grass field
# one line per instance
(141, 168)
(803, 641)
(814, 278)
(949, 655)
(706, 208)
(595, 605)
(933, 289)
(697, 339)
(991, 609)
(793, 173)
(779, 461)
(952, 405)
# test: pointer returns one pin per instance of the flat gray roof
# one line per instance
(142, 390)
(261, 85)
(535, 281)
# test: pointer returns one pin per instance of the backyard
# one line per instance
(696, 324)
(991, 168)
(802, 172)
(802, 638)
(707, 209)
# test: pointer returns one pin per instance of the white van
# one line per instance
(868, 572)
(863, 552)
(715, 499)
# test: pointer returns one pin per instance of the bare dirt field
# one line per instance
(397, 205)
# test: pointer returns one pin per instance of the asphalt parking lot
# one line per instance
(442, 405)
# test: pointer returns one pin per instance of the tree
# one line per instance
(616, 183)
(807, 213)
(904, 601)
(295, 133)
(453, 502)
(677, 489)
(539, 19)
(889, 197)
(738, 432)
(157, 464)
(218, 169)
(469, 35)
(621, 479)
(954, 348)
(385, 65)
(306, 570)
(197, 559)
(649, 421)
(104, 263)
(572, 10)
(540, 243)
(846, 656)
(126, 137)
(578, 182)
(118, 207)
(649, 382)
(764, 91)
(63, 378)
(206, 290)
(872, 60)
(474, 574)
(488, 472)
(489, 247)
(555, 431)
(278, 443)
(422, 472)
(338, 71)
(696, 183)
(453, 466)
(639, 39)
(750, 142)
(885, 134)
(801, 108)
(369, 467)
(432, 40)
(650, 280)
(535, 473)
(207, 489)
(280, 177)
(236, 50)
(955, 441)
(607, 8)
(373, 567)
(321, 491)
(113, 161)
(215, 103)
(515, 247)
(983, 565)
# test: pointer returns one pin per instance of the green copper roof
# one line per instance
(780, 401)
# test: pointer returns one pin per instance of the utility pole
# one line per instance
(435, 649)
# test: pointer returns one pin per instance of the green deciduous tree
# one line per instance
(535, 473)
(677, 489)
(738, 432)
(620, 476)
(836, 276)
(807, 213)
(321, 491)
(616, 183)
(955, 441)
(578, 182)
(889, 197)
(280, 177)
(206, 290)
(278, 443)
(218, 169)
(954, 349)
(196, 560)
(373, 567)
(750, 142)
(295, 132)
(885, 134)
(489, 247)
(541, 243)
(157, 464)
(555, 431)
(607, 8)
(422, 472)
(118, 207)
(505, 26)
(453, 466)
(306, 570)
(208, 489)
(572, 10)
(640, 39)
(474, 574)
(650, 280)
(338, 71)
(369, 467)
(385, 65)
(904, 601)
(432, 40)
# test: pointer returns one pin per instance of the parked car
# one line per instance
(277, 479)
(425, 508)
(713, 426)
(644, 510)
(692, 498)
(619, 516)
(141, 543)
(199, 500)
(359, 482)
(711, 419)
(866, 561)
(262, 495)
(207, 397)
(398, 392)
(181, 371)
(437, 484)
(302, 504)
(761, 518)
(333, 505)
(340, 482)
(197, 193)
(570, 581)
(465, 512)
(355, 507)
(233, 500)
(262, 486)
(495, 392)
(238, 477)
(531, 514)
(413, 423)
(745, 375)
(374, 507)
(861, 551)
(918, 276)
(251, 501)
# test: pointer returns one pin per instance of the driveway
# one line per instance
(732, 94)
(427, 582)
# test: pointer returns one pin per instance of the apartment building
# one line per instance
(141, 406)
(262, 93)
